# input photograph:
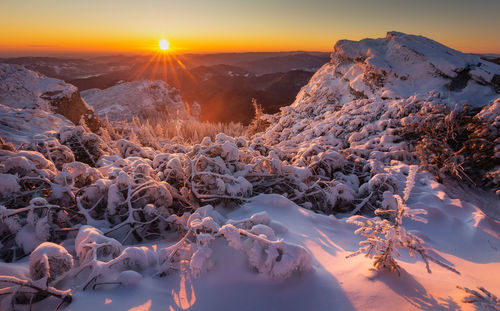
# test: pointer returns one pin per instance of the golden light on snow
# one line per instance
(185, 297)
(144, 307)
(164, 45)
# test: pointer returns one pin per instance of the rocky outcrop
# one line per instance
(403, 98)
(22, 88)
(399, 66)
(143, 99)
(73, 108)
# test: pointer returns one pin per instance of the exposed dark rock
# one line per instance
(495, 82)
(73, 108)
(459, 82)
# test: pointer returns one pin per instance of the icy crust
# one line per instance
(26, 89)
(399, 66)
(22, 125)
(137, 99)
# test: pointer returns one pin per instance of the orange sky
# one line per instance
(38, 27)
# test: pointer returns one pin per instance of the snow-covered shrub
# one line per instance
(384, 236)
(82, 174)
(457, 143)
(33, 173)
(199, 231)
(92, 245)
(376, 192)
(25, 228)
(100, 256)
(49, 261)
(266, 254)
(137, 258)
(26, 292)
(129, 149)
(140, 204)
(275, 258)
(53, 150)
(86, 146)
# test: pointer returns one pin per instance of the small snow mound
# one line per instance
(129, 278)
(92, 244)
(8, 184)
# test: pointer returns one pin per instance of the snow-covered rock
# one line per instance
(399, 66)
(360, 99)
(369, 103)
(21, 125)
(148, 99)
(25, 89)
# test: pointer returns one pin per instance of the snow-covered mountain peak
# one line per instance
(138, 98)
(376, 95)
(399, 66)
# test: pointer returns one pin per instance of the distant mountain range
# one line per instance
(222, 84)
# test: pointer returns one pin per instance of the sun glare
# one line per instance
(164, 45)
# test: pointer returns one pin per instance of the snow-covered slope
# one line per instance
(147, 99)
(458, 231)
(21, 125)
(375, 93)
(399, 66)
(25, 89)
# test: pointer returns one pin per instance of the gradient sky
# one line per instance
(46, 26)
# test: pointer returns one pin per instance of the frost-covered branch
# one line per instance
(483, 298)
(384, 237)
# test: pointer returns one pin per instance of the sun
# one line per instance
(164, 45)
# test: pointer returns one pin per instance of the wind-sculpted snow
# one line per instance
(146, 99)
